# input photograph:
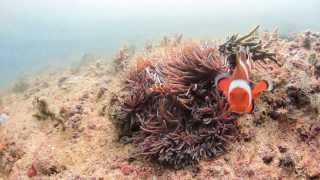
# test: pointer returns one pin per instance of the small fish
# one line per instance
(238, 87)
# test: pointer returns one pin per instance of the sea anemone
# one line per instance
(170, 109)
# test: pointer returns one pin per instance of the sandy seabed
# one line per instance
(86, 145)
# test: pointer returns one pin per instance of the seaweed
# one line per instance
(43, 111)
(171, 110)
(250, 41)
(42, 107)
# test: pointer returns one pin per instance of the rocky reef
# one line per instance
(160, 105)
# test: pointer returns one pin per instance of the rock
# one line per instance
(125, 140)
(309, 134)
(312, 59)
(42, 108)
(126, 170)
(313, 177)
(48, 167)
(298, 97)
(61, 81)
(32, 171)
(317, 70)
(282, 149)
(306, 43)
(287, 163)
(10, 153)
(267, 159)
(280, 114)
(68, 82)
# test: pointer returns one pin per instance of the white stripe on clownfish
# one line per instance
(243, 85)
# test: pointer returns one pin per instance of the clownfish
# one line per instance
(238, 88)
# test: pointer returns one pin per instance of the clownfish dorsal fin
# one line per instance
(238, 59)
(262, 85)
(243, 54)
(241, 70)
(223, 85)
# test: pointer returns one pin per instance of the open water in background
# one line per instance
(41, 33)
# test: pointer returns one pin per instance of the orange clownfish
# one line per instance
(238, 88)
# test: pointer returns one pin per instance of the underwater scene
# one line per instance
(159, 89)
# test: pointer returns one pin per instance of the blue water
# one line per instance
(38, 33)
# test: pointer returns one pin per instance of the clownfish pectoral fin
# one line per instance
(261, 86)
(223, 85)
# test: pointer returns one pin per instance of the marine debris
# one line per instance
(3, 118)
(170, 108)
